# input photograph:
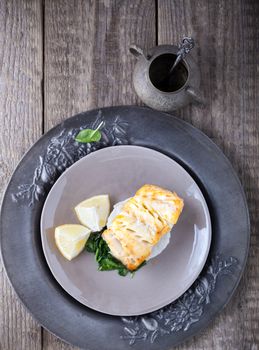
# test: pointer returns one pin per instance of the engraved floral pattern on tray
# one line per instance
(63, 151)
(181, 314)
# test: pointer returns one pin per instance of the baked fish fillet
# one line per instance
(143, 220)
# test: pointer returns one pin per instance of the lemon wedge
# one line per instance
(93, 212)
(71, 239)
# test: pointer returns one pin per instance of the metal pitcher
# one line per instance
(156, 88)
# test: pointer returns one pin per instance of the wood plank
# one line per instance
(227, 38)
(87, 63)
(86, 53)
(20, 122)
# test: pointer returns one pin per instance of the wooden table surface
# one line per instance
(61, 57)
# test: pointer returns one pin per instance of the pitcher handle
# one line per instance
(195, 95)
(137, 52)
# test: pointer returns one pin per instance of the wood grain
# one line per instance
(227, 37)
(87, 63)
(20, 121)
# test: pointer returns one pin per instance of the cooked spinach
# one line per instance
(106, 262)
(92, 242)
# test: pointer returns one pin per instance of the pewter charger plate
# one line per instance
(28, 271)
(119, 171)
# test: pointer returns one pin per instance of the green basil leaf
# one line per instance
(88, 135)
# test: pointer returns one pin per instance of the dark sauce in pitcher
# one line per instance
(160, 77)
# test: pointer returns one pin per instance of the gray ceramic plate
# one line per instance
(26, 265)
(119, 171)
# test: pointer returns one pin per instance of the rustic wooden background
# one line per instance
(61, 57)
